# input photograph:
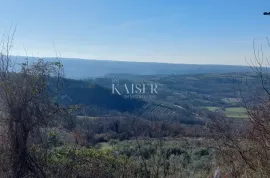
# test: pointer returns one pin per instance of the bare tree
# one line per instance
(244, 147)
(29, 99)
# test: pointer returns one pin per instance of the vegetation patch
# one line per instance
(212, 108)
(236, 112)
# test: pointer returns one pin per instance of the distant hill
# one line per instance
(89, 94)
(82, 69)
(98, 100)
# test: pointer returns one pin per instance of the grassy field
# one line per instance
(233, 112)
(236, 112)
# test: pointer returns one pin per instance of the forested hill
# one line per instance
(89, 94)
(98, 100)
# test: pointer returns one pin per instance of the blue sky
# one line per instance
(173, 31)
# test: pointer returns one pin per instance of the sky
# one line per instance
(171, 31)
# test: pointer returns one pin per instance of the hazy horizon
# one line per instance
(161, 62)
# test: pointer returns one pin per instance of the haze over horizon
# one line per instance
(172, 31)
